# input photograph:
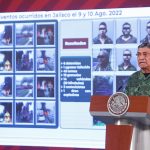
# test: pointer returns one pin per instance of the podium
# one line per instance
(122, 132)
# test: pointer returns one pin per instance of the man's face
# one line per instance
(127, 55)
(126, 30)
(144, 59)
(148, 28)
(102, 30)
(102, 58)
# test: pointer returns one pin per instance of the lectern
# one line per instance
(122, 131)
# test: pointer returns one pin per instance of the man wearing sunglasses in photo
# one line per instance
(102, 38)
(147, 38)
(126, 64)
(126, 36)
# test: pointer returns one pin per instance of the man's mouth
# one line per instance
(141, 63)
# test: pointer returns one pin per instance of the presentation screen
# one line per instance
(51, 62)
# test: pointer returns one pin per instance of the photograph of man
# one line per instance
(126, 36)
(147, 37)
(102, 37)
(126, 64)
(139, 82)
(103, 61)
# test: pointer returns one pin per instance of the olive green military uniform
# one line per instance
(138, 84)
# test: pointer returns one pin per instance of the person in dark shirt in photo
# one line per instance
(126, 64)
(147, 38)
(102, 38)
(126, 36)
(103, 61)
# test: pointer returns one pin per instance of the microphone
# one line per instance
(120, 87)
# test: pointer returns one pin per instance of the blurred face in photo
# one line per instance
(102, 30)
(127, 55)
(126, 29)
(103, 58)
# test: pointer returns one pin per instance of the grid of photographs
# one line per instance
(114, 48)
(28, 74)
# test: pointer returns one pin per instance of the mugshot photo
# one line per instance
(145, 30)
(126, 59)
(102, 60)
(103, 32)
(6, 35)
(24, 33)
(126, 31)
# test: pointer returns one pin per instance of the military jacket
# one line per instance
(138, 85)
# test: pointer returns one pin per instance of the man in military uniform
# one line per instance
(139, 82)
